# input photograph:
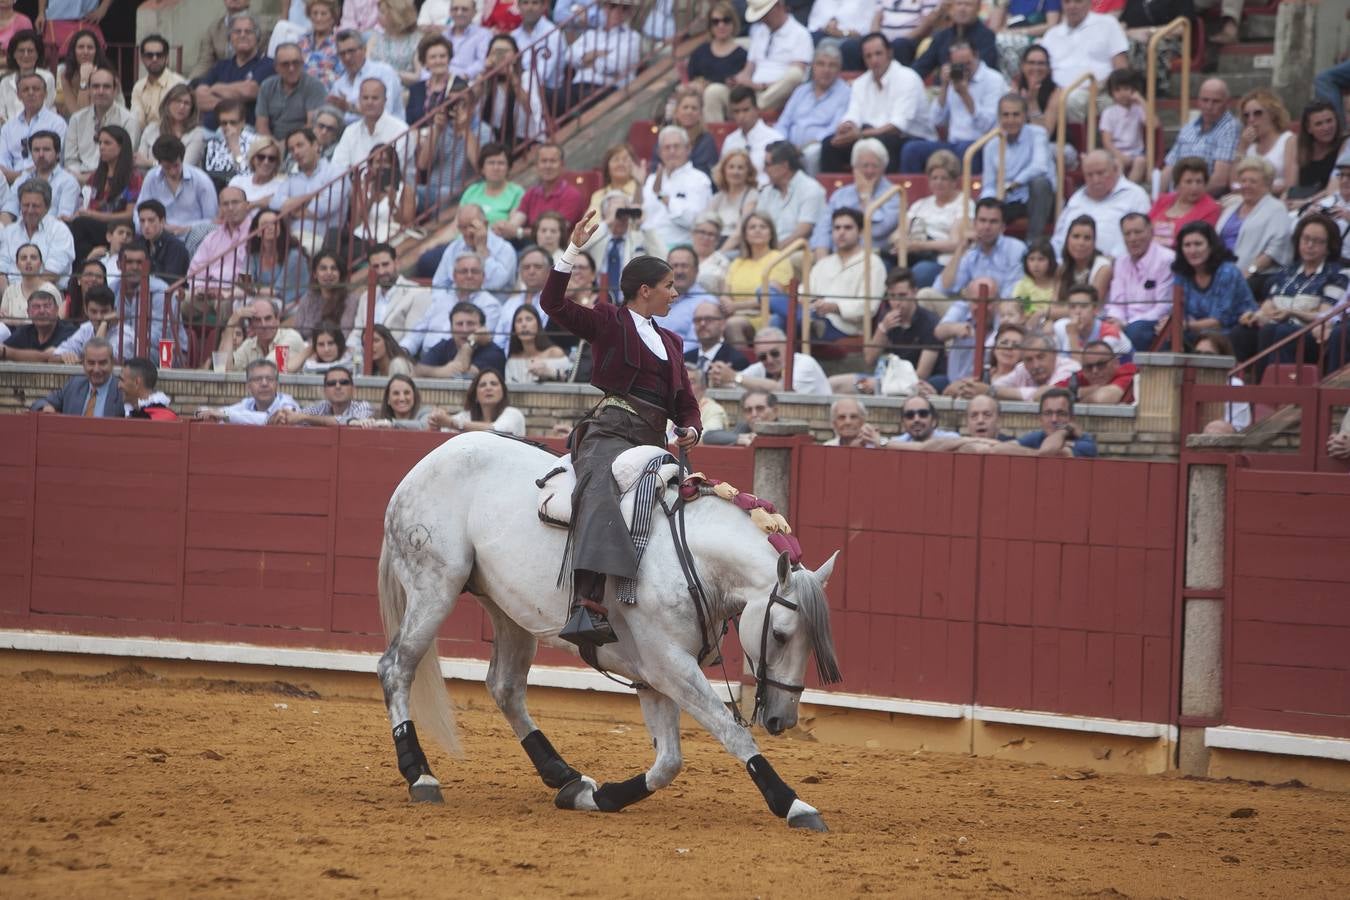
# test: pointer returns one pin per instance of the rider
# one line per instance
(640, 367)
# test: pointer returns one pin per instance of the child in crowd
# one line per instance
(1036, 290)
(1123, 124)
(1085, 324)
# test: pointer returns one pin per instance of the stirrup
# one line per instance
(584, 629)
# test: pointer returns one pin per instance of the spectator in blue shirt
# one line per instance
(816, 108)
(985, 267)
(1059, 434)
(1028, 173)
(967, 104)
(966, 25)
(1217, 297)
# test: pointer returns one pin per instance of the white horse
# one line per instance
(465, 518)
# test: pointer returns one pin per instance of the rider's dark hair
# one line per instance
(642, 271)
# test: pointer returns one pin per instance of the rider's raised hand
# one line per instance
(585, 228)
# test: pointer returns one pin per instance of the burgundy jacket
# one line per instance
(615, 346)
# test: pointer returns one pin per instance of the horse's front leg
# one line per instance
(662, 716)
(686, 684)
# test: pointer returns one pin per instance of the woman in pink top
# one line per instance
(11, 21)
(1190, 202)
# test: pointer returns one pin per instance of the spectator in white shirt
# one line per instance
(752, 134)
(605, 58)
(767, 374)
(1106, 196)
(676, 192)
(967, 104)
(356, 68)
(840, 285)
(375, 127)
(263, 400)
(887, 102)
(544, 57)
(1082, 42)
(469, 39)
(780, 51)
(845, 22)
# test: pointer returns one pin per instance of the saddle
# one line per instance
(556, 485)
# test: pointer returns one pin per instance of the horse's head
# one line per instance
(779, 633)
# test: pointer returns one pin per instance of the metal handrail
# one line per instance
(968, 164)
(902, 235)
(1062, 131)
(1334, 313)
(799, 245)
(1182, 24)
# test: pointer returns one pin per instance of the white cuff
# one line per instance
(568, 259)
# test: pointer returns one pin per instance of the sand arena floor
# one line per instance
(116, 782)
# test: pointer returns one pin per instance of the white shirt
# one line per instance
(986, 87)
(53, 238)
(773, 53)
(349, 88)
(246, 411)
(755, 143)
(807, 375)
(543, 53)
(687, 192)
(1090, 47)
(358, 140)
(1125, 197)
(849, 15)
(899, 100)
(841, 281)
(65, 192)
(620, 52)
(647, 331)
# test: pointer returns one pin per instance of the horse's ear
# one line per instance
(824, 572)
(784, 572)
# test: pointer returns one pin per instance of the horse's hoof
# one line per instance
(803, 815)
(577, 794)
(425, 790)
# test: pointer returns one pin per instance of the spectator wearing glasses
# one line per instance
(215, 43)
(919, 421)
(710, 325)
(44, 147)
(887, 103)
(227, 151)
(756, 407)
(1059, 434)
(288, 100)
(148, 93)
(236, 77)
(81, 141)
(767, 374)
(18, 131)
(264, 400)
(780, 51)
(263, 175)
(356, 69)
(329, 123)
(1103, 378)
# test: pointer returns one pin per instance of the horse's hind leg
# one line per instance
(513, 650)
(662, 716)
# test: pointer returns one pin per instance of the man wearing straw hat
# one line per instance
(780, 51)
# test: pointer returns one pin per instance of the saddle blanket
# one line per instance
(556, 485)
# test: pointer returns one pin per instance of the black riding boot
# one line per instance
(587, 624)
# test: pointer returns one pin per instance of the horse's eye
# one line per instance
(779, 636)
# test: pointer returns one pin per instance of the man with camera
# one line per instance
(967, 105)
(619, 238)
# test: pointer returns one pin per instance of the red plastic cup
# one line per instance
(283, 353)
(166, 354)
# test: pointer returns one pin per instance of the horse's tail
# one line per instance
(428, 701)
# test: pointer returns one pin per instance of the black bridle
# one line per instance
(762, 679)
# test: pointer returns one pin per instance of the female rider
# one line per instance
(640, 367)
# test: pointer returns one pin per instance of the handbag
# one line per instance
(896, 377)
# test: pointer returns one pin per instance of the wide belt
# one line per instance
(654, 416)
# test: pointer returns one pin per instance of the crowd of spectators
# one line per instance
(228, 179)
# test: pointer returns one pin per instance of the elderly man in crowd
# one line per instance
(1084, 42)
(264, 400)
(464, 286)
(552, 192)
(816, 108)
(710, 325)
(1041, 369)
(215, 42)
(983, 419)
(263, 321)
(93, 394)
(34, 226)
(676, 192)
(767, 374)
(985, 267)
(1140, 299)
(34, 117)
(1211, 136)
(887, 103)
(374, 127)
(756, 407)
(604, 58)
(780, 51)
(147, 93)
(356, 69)
(469, 40)
(43, 333)
(497, 255)
(967, 104)
(290, 99)
(848, 418)
(1106, 196)
(1059, 434)
(105, 108)
(222, 255)
(338, 406)
(235, 77)
(44, 148)
(793, 200)
(1028, 171)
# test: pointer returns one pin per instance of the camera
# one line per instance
(628, 212)
(957, 72)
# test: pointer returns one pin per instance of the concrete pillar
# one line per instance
(1202, 616)
(773, 461)
(1160, 378)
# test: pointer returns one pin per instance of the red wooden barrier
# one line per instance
(1288, 665)
(1042, 584)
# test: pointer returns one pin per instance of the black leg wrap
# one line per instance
(612, 797)
(412, 762)
(776, 792)
(547, 761)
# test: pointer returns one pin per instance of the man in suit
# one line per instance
(92, 394)
(710, 323)
(619, 238)
(215, 43)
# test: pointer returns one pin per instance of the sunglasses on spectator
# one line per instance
(153, 54)
(916, 414)
(267, 157)
(341, 382)
(323, 126)
(1096, 366)
(775, 354)
(720, 20)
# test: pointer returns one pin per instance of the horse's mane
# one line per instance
(815, 612)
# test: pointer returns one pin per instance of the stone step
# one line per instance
(1239, 82)
(1247, 57)
(1258, 28)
